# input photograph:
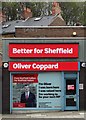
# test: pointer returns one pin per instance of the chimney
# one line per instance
(2, 18)
(27, 13)
(56, 10)
(78, 24)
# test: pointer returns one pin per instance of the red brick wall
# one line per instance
(27, 13)
(58, 22)
(50, 32)
(9, 35)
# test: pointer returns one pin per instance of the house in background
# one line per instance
(8, 28)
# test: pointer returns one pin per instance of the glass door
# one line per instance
(71, 94)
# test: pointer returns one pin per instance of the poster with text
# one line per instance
(40, 91)
(49, 90)
(25, 90)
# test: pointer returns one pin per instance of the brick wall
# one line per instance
(50, 31)
(58, 21)
(26, 13)
(9, 35)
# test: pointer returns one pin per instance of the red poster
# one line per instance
(70, 87)
(43, 66)
(18, 105)
(25, 78)
(43, 50)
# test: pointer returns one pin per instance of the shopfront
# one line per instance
(49, 70)
(52, 92)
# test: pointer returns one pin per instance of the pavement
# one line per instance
(55, 115)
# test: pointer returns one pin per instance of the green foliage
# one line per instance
(84, 15)
(10, 9)
(39, 8)
(74, 12)
(0, 4)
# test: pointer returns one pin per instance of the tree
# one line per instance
(13, 10)
(74, 12)
(10, 9)
(84, 15)
(39, 8)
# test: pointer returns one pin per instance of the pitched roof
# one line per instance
(9, 27)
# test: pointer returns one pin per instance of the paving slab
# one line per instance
(43, 119)
(46, 116)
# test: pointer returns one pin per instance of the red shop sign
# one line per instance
(43, 50)
(43, 66)
(25, 78)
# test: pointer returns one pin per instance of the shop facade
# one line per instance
(50, 67)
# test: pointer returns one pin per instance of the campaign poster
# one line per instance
(49, 90)
(25, 90)
(44, 90)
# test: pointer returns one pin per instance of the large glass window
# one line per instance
(37, 90)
